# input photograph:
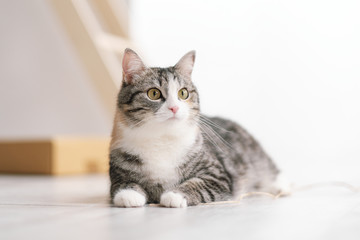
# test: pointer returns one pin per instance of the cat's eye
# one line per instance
(183, 93)
(154, 94)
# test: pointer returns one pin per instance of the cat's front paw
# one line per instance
(129, 198)
(172, 199)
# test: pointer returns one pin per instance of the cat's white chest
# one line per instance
(161, 158)
(161, 150)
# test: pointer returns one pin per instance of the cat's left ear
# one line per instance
(186, 64)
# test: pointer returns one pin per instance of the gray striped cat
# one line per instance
(163, 150)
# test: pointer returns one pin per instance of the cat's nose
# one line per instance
(174, 109)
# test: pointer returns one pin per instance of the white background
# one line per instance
(288, 71)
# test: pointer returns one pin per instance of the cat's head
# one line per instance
(157, 95)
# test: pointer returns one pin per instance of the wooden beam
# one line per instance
(82, 29)
(114, 14)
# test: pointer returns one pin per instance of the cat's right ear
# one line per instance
(131, 65)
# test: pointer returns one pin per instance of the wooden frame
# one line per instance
(100, 35)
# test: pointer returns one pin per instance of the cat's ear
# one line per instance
(186, 64)
(131, 65)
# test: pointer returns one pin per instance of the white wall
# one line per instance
(44, 90)
(289, 71)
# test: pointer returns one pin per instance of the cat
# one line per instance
(163, 150)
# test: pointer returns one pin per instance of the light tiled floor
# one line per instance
(38, 207)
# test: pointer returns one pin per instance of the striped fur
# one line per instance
(179, 159)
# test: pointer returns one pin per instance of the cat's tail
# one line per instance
(281, 187)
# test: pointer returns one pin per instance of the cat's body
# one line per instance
(163, 151)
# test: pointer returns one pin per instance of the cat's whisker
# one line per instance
(144, 120)
(209, 124)
(208, 131)
(215, 133)
(222, 140)
(210, 138)
(202, 117)
(213, 137)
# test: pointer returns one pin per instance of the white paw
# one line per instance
(174, 200)
(129, 198)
